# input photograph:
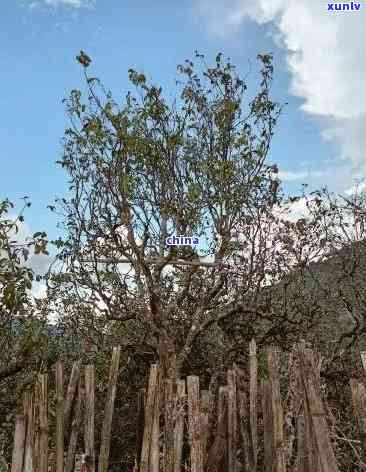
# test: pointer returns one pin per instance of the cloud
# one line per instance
(63, 3)
(325, 57)
(289, 176)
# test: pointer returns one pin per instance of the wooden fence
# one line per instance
(238, 427)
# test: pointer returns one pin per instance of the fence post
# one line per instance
(267, 425)
(149, 418)
(36, 426)
(70, 394)
(89, 415)
(155, 434)
(43, 423)
(244, 425)
(19, 441)
(232, 420)
(194, 420)
(169, 425)
(205, 407)
(253, 387)
(139, 426)
(217, 455)
(59, 416)
(179, 424)
(29, 439)
(279, 464)
(316, 411)
(358, 391)
(75, 429)
(105, 441)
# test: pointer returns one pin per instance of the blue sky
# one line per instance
(318, 71)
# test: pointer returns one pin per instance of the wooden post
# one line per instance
(316, 411)
(29, 440)
(139, 426)
(279, 462)
(244, 427)
(149, 418)
(194, 421)
(59, 416)
(36, 426)
(105, 441)
(169, 425)
(70, 395)
(267, 425)
(89, 415)
(179, 424)
(363, 360)
(253, 392)
(232, 420)
(301, 459)
(19, 442)
(358, 391)
(205, 407)
(43, 423)
(155, 434)
(75, 429)
(217, 455)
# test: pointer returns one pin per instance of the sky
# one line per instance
(319, 72)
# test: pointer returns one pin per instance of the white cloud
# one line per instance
(289, 176)
(64, 3)
(325, 55)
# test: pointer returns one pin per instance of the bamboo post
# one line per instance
(194, 423)
(179, 424)
(19, 442)
(89, 415)
(358, 391)
(29, 440)
(317, 412)
(253, 388)
(149, 418)
(108, 411)
(232, 420)
(59, 416)
(205, 407)
(70, 394)
(75, 429)
(277, 412)
(43, 423)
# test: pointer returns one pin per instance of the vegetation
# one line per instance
(149, 168)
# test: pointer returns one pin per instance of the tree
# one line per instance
(151, 169)
(20, 326)
(337, 278)
(319, 294)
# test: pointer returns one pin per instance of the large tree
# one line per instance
(150, 168)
